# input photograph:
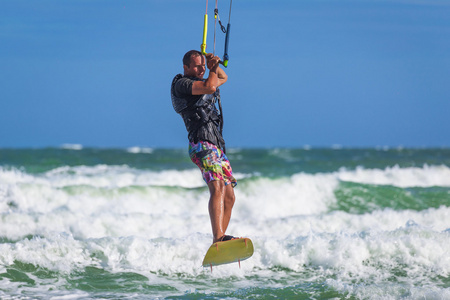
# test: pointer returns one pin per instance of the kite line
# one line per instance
(226, 30)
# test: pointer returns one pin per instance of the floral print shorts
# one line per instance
(213, 163)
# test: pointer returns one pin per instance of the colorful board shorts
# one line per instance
(213, 163)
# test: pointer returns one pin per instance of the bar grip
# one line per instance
(205, 32)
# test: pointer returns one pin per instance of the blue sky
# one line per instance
(310, 72)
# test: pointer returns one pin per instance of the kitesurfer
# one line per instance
(194, 98)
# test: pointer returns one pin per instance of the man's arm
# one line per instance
(221, 75)
(216, 77)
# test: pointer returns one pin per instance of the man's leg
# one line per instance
(220, 206)
(216, 208)
(228, 206)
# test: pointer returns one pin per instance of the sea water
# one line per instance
(86, 223)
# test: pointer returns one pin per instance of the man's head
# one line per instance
(194, 64)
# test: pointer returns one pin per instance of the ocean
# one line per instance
(326, 223)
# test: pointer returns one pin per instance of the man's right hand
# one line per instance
(212, 62)
(216, 77)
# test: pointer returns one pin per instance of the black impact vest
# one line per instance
(202, 119)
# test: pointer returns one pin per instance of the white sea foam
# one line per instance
(122, 176)
(107, 176)
(104, 176)
(72, 146)
(86, 193)
(357, 253)
(300, 194)
(122, 219)
(427, 176)
(137, 150)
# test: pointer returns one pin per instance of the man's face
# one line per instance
(197, 67)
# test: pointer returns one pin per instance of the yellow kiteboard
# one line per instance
(227, 252)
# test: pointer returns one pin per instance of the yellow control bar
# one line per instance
(205, 32)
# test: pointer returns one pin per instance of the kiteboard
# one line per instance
(227, 252)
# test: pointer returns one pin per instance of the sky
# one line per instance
(317, 73)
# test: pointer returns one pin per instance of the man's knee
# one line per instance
(230, 198)
(216, 188)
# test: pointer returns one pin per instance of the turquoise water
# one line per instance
(82, 223)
